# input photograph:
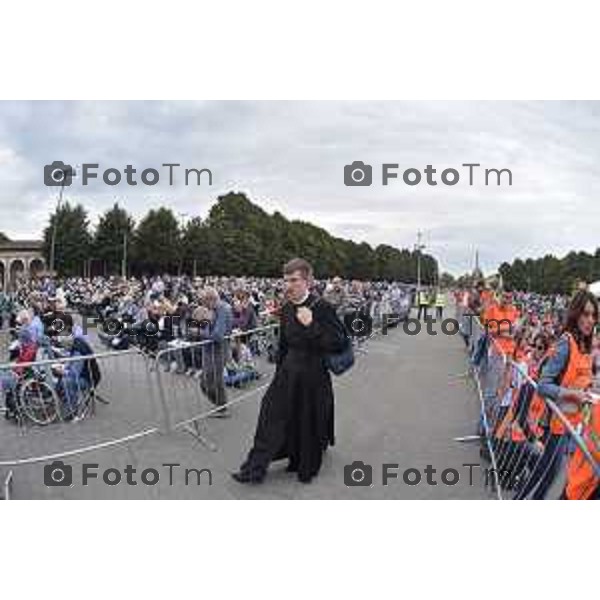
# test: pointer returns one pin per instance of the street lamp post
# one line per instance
(418, 247)
(124, 260)
(182, 218)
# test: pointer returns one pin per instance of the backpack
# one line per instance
(91, 369)
(340, 362)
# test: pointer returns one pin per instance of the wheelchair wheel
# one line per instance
(39, 402)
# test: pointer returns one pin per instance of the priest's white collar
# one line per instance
(304, 299)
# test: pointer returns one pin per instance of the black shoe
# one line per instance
(304, 478)
(291, 468)
(247, 477)
(221, 413)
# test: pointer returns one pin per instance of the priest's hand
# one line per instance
(304, 315)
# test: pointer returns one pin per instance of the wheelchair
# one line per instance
(33, 398)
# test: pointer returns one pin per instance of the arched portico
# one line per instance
(20, 259)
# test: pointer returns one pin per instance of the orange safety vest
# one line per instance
(535, 415)
(500, 315)
(538, 410)
(577, 376)
(486, 312)
(582, 479)
(506, 345)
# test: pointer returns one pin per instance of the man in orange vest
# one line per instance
(500, 320)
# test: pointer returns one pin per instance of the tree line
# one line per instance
(551, 275)
(236, 238)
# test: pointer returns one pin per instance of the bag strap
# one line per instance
(563, 371)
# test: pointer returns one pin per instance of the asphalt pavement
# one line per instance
(402, 405)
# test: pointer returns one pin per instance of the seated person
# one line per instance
(27, 350)
(241, 368)
(74, 378)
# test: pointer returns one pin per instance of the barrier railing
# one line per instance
(7, 336)
(192, 376)
(174, 389)
(530, 442)
(43, 398)
(7, 486)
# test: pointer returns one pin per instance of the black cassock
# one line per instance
(296, 413)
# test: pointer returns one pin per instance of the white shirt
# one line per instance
(303, 299)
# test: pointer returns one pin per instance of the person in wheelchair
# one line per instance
(9, 381)
(74, 380)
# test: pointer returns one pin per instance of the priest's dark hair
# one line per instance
(298, 264)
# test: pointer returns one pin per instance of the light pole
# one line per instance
(418, 247)
(67, 173)
(182, 217)
(124, 260)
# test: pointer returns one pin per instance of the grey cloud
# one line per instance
(289, 156)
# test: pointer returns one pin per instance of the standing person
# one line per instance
(245, 319)
(335, 294)
(214, 353)
(423, 302)
(440, 303)
(566, 379)
(297, 414)
(244, 314)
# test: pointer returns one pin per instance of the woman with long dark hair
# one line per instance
(566, 379)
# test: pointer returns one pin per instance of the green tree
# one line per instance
(115, 229)
(199, 248)
(446, 280)
(72, 242)
(156, 243)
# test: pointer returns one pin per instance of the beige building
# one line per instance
(20, 259)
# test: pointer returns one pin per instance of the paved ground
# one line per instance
(402, 403)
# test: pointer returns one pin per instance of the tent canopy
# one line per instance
(595, 288)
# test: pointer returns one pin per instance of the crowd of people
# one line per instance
(539, 361)
(199, 327)
(202, 327)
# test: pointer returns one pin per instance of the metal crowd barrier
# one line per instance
(527, 460)
(199, 380)
(6, 338)
(63, 407)
(42, 399)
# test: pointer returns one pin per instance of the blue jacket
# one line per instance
(548, 384)
(223, 322)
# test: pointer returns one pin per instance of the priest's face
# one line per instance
(296, 286)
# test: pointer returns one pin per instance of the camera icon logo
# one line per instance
(57, 474)
(58, 173)
(359, 325)
(57, 326)
(358, 474)
(358, 173)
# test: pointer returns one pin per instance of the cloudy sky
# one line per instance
(290, 156)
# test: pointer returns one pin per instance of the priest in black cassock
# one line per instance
(296, 413)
